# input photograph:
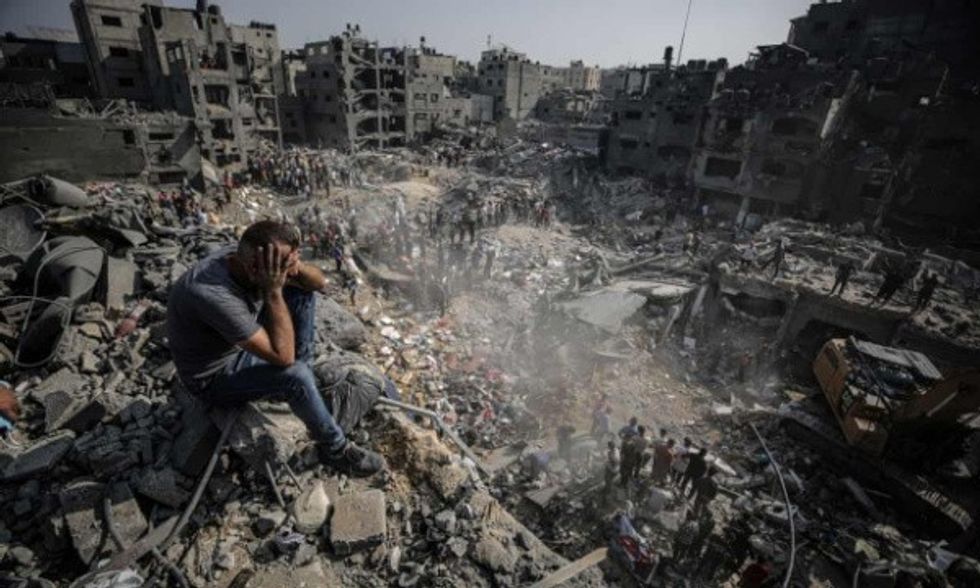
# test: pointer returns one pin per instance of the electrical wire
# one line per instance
(120, 544)
(66, 319)
(789, 507)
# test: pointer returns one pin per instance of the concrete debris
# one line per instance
(311, 508)
(359, 521)
(587, 356)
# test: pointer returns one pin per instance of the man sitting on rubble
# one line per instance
(241, 328)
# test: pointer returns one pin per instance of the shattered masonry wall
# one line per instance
(76, 150)
(79, 149)
(107, 28)
(656, 133)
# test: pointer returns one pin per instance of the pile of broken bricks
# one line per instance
(109, 452)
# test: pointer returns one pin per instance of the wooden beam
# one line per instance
(573, 569)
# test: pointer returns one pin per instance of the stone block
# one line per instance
(120, 282)
(266, 432)
(40, 457)
(339, 326)
(194, 445)
(359, 521)
(80, 501)
(163, 487)
(491, 553)
(83, 504)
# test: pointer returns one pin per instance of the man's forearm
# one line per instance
(309, 277)
(279, 325)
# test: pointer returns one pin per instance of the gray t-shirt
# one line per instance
(207, 314)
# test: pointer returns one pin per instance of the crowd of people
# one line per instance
(655, 470)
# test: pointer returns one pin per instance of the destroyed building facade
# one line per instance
(47, 61)
(356, 94)
(225, 77)
(653, 130)
(515, 82)
(109, 30)
(764, 131)
(580, 77)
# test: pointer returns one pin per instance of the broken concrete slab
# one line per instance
(40, 457)
(121, 275)
(63, 380)
(162, 486)
(278, 576)
(311, 508)
(80, 502)
(265, 432)
(198, 436)
(359, 521)
(127, 517)
(606, 309)
(340, 326)
(83, 504)
(492, 554)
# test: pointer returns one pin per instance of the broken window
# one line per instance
(161, 136)
(733, 124)
(118, 52)
(719, 167)
(683, 118)
(126, 82)
(111, 21)
(782, 168)
(129, 136)
(217, 94)
(793, 126)
(633, 115)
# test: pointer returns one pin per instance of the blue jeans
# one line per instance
(249, 377)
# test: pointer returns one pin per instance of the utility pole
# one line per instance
(680, 49)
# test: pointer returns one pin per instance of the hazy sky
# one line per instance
(603, 32)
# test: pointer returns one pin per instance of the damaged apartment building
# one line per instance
(356, 94)
(764, 131)
(655, 117)
(51, 121)
(515, 82)
(867, 113)
(223, 77)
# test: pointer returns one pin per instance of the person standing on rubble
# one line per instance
(629, 429)
(929, 283)
(892, 283)
(843, 274)
(697, 467)
(706, 490)
(612, 465)
(491, 256)
(241, 328)
(639, 443)
(663, 456)
(678, 464)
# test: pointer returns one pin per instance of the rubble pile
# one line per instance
(108, 450)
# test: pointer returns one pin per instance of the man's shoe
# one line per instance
(356, 461)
